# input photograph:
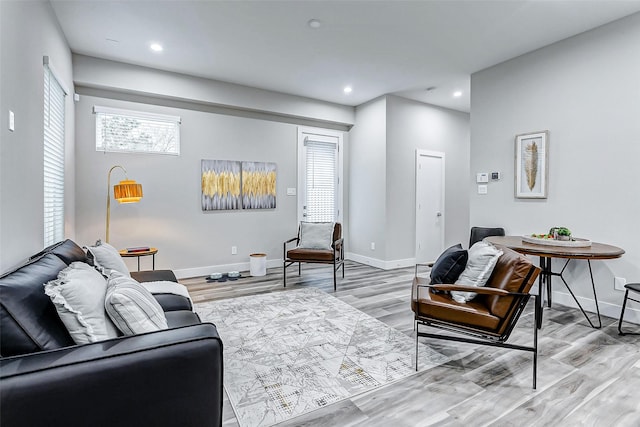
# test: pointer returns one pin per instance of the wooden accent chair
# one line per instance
(333, 255)
(490, 317)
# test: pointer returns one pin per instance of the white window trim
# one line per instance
(320, 134)
(97, 109)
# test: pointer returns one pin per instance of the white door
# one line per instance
(429, 205)
(319, 171)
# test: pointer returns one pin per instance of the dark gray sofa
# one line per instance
(171, 377)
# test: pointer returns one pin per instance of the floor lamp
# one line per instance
(127, 191)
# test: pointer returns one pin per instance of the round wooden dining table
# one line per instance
(546, 252)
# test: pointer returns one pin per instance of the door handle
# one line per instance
(438, 213)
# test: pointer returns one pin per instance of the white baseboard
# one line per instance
(378, 263)
(185, 273)
(632, 314)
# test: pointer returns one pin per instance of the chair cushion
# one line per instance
(318, 255)
(482, 260)
(316, 235)
(443, 307)
(28, 319)
(449, 265)
(78, 294)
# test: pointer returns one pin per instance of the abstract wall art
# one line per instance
(232, 185)
(221, 185)
(531, 169)
(258, 185)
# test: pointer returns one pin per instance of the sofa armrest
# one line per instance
(165, 378)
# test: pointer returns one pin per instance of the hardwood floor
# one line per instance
(585, 376)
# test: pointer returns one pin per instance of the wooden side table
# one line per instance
(152, 251)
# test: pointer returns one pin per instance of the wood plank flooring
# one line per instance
(585, 376)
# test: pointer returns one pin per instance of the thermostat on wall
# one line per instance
(495, 176)
(482, 177)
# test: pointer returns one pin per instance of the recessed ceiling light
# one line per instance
(156, 47)
(348, 89)
(314, 23)
(457, 94)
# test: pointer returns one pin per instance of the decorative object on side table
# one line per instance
(557, 236)
(140, 251)
(532, 161)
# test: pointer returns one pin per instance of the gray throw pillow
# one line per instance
(132, 307)
(316, 235)
(78, 295)
(107, 258)
(482, 260)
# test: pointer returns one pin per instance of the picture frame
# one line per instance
(532, 165)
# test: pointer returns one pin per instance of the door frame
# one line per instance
(440, 155)
(321, 133)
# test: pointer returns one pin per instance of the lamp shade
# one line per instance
(127, 191)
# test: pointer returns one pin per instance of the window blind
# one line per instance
(136, 131)
(321, 181)
(54, 97)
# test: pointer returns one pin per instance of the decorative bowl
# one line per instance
(233, 274)
(215, 276)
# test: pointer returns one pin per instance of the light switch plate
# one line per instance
(12, 121)
(482, 189)
(482, 177)
(291, 191)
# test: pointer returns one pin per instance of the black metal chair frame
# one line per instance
(624, 306)
(479, 336)
(338, 259)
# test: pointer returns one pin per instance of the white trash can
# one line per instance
(258, 264)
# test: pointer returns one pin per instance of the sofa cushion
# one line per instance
(131, 307)
(67, 250)
(316, 235)
(106, 258)
(482, 259)
(28, 319)
(449, 265)
(78, 294)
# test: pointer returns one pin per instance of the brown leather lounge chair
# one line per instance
(333, 256)
(490, 317)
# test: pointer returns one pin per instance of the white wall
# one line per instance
(170, 217)
(413, 125)
(125, 78)
(367, 182)
(586, 91)
(29, 31)
(382, 176)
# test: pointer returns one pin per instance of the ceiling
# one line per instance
(376, 47)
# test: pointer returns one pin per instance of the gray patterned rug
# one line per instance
(289, 353)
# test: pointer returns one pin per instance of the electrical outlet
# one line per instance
(373, 246)
(618, 283)
(234, 250)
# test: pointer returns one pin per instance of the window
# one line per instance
(319, 171)
(54, 103)
(135, 131)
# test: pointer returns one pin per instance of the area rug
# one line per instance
(289, 353)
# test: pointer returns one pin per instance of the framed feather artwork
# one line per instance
(532, 163)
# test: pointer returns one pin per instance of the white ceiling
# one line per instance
(377, 47)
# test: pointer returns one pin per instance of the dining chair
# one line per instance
(633, 287)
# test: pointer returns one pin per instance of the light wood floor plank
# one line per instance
(585, 376)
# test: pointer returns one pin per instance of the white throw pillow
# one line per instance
(316, 235)
(78, 295)
(107, 258)
(482, 260)
(131, 307)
